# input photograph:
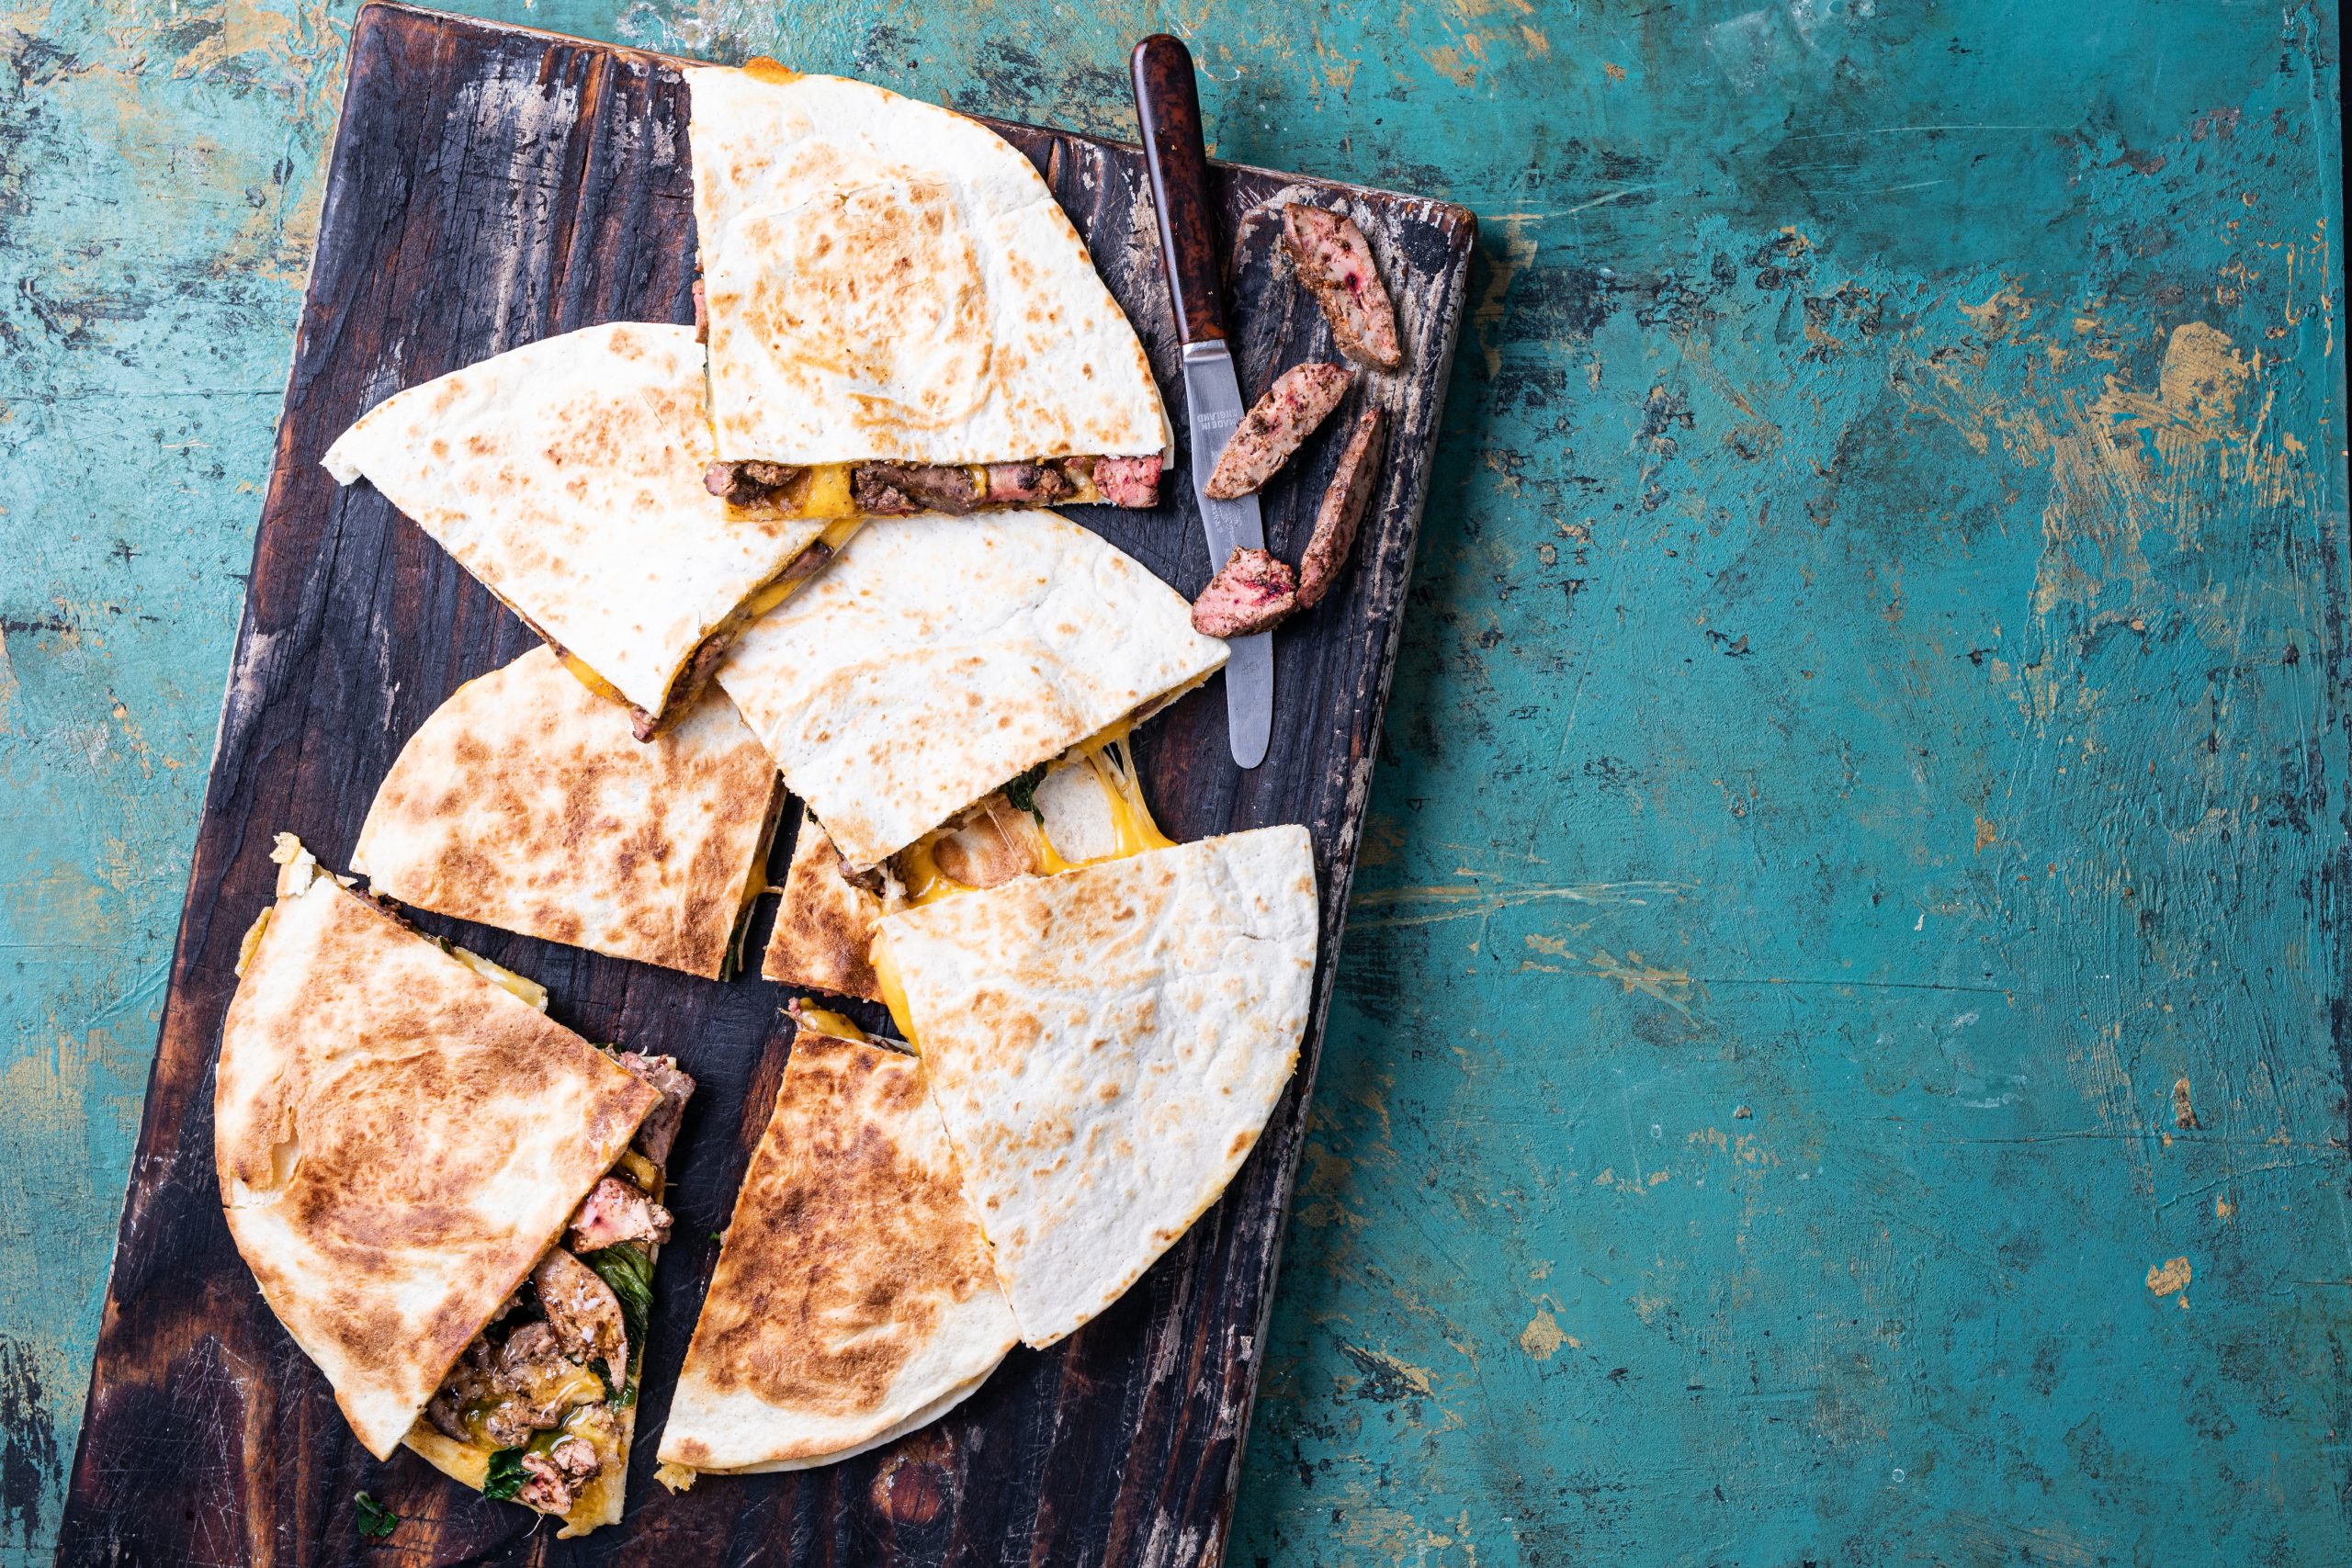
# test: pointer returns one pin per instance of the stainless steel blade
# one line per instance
(1213, 404)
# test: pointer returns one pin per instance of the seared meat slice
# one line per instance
(1341, 513)
(556, 1475)
(994, 844)
(584, 1315)
(1127, 481)
(890, 490)
(470, 1381)
(1335, 264)
(751, 483)
(1027, 484)
(659, 1128)
(1300, 398)
(1250, 592)
(614, 1212)
(534, 1383)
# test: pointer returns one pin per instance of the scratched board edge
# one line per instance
(1292, 1147)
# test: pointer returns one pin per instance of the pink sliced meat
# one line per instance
(1335, 263)
(1341, 513)
(1127, 481)
(1026, 484)
(1250, 592)
(614, 1212)
(584, 1315)
(659, 1128)
(1300, 398)
(556, 1475)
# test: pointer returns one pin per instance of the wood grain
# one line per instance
(491, 186)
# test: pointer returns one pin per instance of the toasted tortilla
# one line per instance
(854, 1299)
(1105, 1046)
(937, 658)
(397, 1138)
(823, 935)
(525, 803)
(824, 923)
(568, 476)
(886, 279)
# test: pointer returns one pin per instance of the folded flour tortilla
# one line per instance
(937, 659)
(400, 1137)
(525, 803)
(1104, 1047)
(568, 476)
(887, 279)
(854, 1299)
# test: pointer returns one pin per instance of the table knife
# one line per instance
(1168, 107)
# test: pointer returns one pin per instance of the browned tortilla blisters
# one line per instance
(1334, 261)
(1344, 505)
(1301, 398)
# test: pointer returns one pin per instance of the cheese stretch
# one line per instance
(1133, 833)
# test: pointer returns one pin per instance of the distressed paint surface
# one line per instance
(1839, 1053)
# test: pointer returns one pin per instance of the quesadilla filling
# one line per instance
(540, 1406)
(898, 490)
(1084, 808)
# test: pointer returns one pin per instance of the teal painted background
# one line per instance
(1838, 1053)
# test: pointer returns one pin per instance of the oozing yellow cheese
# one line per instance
(767, 70)
(592, 681)
(828, 494)
(825, 1021)
(894, 993)
(499, 974)
(1132, 826)
(253, 940)
(676, 1477)
(917, 866)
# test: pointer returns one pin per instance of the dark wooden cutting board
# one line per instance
(491, 186)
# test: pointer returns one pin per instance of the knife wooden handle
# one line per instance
(1168, 107)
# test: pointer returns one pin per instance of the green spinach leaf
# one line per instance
(628, 1270)
(376, 1521)
(506, 1475)
(1023, 791)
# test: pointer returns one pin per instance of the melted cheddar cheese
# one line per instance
(253, 940)
(594, 681)
(825, 1021)
(894, 992)
(499, 974)
(917, 866)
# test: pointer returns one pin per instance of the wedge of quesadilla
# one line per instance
(567, 475)
(1085, 806)
(901, 315)
(854, 1300)
(450, 1202)
(524, 803)
(1104, 1047)
(935, 662)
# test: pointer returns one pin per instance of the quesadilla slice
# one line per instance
(1085, 806)
(525, 803)
(1104, 1047)
(567, 475)
(935, 661)
(899, 313)
(449, 1200)
(854, 1300)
